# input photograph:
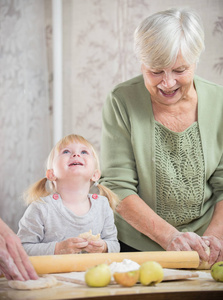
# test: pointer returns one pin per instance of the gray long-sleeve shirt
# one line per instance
(47, 222)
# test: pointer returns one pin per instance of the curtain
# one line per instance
(25, 138)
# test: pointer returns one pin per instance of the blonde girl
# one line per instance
(62, 216)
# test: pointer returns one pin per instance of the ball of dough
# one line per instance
(204, 264)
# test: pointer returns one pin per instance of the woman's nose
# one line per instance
(168, 80)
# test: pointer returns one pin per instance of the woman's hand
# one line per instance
(14, 262)
(216, 248)
(99, 246)
(188, 241)
(71, 246)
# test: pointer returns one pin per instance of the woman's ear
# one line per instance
(50, 175)
(96, 176)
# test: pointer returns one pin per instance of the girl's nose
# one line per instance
(76, 154)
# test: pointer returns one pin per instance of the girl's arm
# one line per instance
(32, 231)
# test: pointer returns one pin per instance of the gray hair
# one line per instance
(160, 37)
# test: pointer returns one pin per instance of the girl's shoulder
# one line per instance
(99, 199)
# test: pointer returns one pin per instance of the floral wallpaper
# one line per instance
(24, 109)
(97, 55)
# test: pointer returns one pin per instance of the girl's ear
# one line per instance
(50, 175)
(96, 176)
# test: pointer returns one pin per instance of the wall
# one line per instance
(98, 52)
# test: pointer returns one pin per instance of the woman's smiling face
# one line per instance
(170, 85)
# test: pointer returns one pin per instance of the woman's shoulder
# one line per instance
(206, 84)
(129, 84)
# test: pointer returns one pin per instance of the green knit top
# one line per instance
(179, 174)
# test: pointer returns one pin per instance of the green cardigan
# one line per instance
(128, 157)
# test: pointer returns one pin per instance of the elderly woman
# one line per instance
(165, 161)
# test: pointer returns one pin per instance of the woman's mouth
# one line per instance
(168, 93)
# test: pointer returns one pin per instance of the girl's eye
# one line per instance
(84, 152)
(65, 151)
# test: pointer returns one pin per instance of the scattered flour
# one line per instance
(125, 266)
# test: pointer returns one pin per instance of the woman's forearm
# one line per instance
(139, 215)
(215, 227)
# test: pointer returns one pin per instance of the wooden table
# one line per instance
(194, 288)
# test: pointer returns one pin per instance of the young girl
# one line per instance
(57, 215)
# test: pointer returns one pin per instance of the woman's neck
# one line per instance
(177, 117)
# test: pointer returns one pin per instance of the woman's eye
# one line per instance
(179, 71)
(157, 73)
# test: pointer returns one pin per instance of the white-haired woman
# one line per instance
(166, 159)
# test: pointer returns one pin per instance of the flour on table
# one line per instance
(125, 266)
(41, 283)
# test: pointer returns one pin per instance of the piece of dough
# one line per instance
(41, 283)
(89, 236)
(204, 264)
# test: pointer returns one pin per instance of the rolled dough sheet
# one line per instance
(41, 283)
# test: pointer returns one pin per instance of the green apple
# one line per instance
(98, 276)
(126, 278)
(217, 271)
(150, 272)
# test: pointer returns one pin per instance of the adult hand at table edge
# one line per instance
(216, 248)
(14, 262)
(189, 241)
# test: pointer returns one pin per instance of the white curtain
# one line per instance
(24, 102)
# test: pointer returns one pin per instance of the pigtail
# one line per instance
(35, 191)
(112, 197)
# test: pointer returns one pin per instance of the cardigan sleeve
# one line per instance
(118, 161)
(216, 181)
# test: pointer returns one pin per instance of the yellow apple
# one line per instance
(98, 276)
(217, 271)
(150, 272)
(126, 278)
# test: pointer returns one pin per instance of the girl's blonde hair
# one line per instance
(41, 189)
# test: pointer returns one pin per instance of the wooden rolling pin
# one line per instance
(81, 262)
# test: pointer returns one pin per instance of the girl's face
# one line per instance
(75, 159)
(168, 86)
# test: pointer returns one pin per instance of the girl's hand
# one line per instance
(99, 246)
(188, 241)
(71, 246)
(216, 248)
